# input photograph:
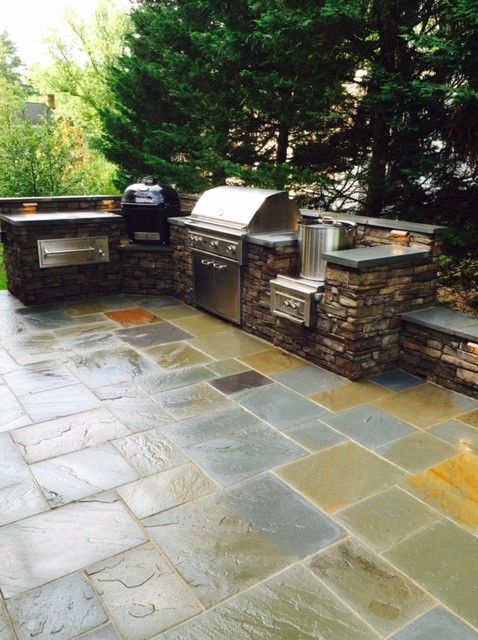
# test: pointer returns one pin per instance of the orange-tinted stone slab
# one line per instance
(128, 317)
(452, 487)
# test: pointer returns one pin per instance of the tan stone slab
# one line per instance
(272, 361)
(470, 418)
(386, 518)
(339, 476)
(201, 325)
(176, 355)
(228, 344)
(379, 593)
(350, 395)
(425, 405)
(452, 487)
(179, 311)
(417, 451)
(291, 606)
(444, 560)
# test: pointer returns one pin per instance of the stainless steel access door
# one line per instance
(217, 285)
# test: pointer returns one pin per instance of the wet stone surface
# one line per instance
(291, 606)
(437, 624)
(142, 593)
(62, 609)
(180, 479)
(111, 366)
(226, 542)
(375, 589)
(244, 453)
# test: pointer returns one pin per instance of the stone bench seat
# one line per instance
(445, 320)
(441, 345)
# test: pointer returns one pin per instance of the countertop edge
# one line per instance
(397, 256)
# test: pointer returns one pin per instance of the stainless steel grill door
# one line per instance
(217, 285)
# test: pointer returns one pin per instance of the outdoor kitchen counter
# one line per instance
(52, 256)
(379, 256)
(66, 217)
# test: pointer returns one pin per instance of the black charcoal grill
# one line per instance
(146, 207)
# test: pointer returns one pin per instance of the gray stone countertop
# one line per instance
(386, 223)
(383, 255)
(278, 239)
(65, 217)
(446, 321)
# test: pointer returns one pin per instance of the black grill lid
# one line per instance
(149, 192)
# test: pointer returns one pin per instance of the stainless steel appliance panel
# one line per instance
(252, 210)
(217, 285)
(294, 299)
(221, 246)
(64, 252)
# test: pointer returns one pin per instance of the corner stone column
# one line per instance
(358, 332)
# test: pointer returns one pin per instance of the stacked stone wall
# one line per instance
(182, 272)
(146, 270)
(33, 285)
(440, 357)
(360, 314)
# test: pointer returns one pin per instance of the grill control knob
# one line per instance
(231, 248)
(214, 244)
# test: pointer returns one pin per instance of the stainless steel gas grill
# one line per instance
(218, 229)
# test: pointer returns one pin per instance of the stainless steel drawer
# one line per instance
(217, 285)
(63, 252)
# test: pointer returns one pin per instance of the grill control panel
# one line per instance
(226, 247)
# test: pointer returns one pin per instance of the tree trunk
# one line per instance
(380, 133)
(282, 143)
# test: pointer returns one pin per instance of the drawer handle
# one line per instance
(218, 266)
(62, 252)
(206, 263)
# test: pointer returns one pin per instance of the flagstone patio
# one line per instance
(165, 475)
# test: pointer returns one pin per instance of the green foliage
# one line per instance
(210, 90)
(45, 159)
(10, 63)
(81, 54)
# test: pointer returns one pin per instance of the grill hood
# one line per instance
(246, 209)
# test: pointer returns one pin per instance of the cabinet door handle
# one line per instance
(218, 266)
(206, 263)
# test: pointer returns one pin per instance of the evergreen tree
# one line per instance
(210, 89)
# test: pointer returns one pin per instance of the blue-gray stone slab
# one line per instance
(445, 320)
(383, 255)
(242, 454)
(396, 380)
(457, 433)
(273, 240)
(369, 426)
(309, 379)
(437, 624)
(315, 435)
(279, 406)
